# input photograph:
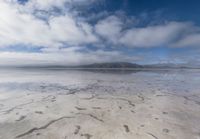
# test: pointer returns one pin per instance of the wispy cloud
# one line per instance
(67, 56)
(190, 40)
(154, 36)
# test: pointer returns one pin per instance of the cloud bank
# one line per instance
(62, 36)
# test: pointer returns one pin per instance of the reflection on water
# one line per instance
(54, 80)
(51, 101)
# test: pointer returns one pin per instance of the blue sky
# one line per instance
(72, 32)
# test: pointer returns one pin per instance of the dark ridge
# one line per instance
(111, 65)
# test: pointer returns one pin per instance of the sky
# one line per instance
(77, 32)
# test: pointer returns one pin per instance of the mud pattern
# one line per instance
(42, 127)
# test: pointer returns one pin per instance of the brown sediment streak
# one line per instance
(80, 109)
(77, 129)
(126, 128)
(88, 136)
(96, 107)
(21, 118)
(129, 102)
(152, 135)
(122, 99)
(89, 98)
(16, 107)
(94, 117)
(42, 127)
(141, 97)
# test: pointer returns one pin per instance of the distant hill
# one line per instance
(114, 65)
(125, 65)
(171, 66)
(117, 65)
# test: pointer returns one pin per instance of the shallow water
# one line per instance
(60, 104)
(180, 82)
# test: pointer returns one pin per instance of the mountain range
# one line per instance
(115, 65)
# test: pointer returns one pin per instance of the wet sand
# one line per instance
(107, 107)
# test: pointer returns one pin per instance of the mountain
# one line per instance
(172, 66)
(117, 65)
(114, 65)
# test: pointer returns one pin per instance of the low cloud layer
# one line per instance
(62, 36)
(67, 56)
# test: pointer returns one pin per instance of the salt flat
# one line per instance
(66, 104)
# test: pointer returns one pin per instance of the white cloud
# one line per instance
(112, 30)
(18, 26)
(153, 36)
(64, 37)
(47, 5)
(24, 28)
(66, 56)
(191, 40)
(66, 29)
(109, 28)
